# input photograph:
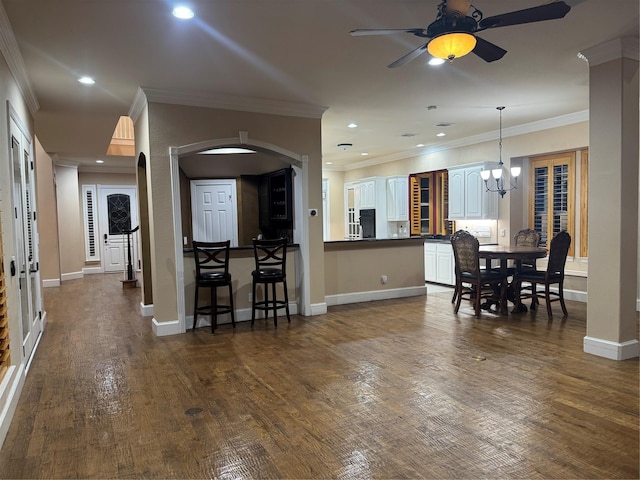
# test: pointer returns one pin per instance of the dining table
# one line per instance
(504, 253)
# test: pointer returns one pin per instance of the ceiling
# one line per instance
(300, 51)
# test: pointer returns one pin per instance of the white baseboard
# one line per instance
(161, 329)
(146, 310)
(318, 308)
(92, 270)
(10, 390)
(357, 297)
(52, 282)
(71, 276)
(611, 350)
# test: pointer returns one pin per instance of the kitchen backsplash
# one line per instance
(486, 231)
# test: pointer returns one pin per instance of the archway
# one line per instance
(298, 162)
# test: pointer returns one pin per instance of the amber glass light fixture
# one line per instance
(451, 45)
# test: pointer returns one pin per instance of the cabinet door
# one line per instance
(474, 189)
(444, 264)
(402, 199)
(456, 194)
(392, 210)
(430, 264)
(398, 199)
(368, 194)
(415, 205)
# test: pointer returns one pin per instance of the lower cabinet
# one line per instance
(439, 263)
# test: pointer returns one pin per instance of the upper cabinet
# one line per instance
(276, 203)
(398, 199)
(468, 196)
(429, 201)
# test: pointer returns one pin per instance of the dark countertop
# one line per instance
(371, 240)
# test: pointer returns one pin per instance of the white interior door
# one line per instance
(214, 211)
(118, 207)
(26, 261)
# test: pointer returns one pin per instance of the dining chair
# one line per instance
(270, 269)
(472, 282)
(526, 238)
(554, 274)
(212, 272)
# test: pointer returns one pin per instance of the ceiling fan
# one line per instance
(453, 33)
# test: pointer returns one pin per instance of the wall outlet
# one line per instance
(250, 297)
(383, 279)
(503, 232)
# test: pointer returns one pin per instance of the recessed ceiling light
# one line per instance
(226, 151)
(436, 61)
(420, 145)
(86, 80)
(99, 161)
(329, 163)
(364, 154)
(441, 134)
(352, 125)
(183, 12)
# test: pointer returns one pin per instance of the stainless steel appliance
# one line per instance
(368, 222)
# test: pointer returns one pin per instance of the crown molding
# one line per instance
(11, 53)
(625, 47)
(523, 129)
(228, 102)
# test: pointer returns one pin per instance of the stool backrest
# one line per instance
(270, 253)
(211, 257)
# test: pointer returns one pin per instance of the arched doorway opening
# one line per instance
(298, 162)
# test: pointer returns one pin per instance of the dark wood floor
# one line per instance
(390, 389)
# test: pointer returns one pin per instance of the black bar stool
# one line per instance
(271, 268)
(212, 271)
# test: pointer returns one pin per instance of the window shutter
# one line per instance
(92, 252)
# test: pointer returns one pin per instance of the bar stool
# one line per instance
(212, 271)
(270, 257)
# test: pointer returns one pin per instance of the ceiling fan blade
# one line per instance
(420, 32)
(488, 51)
(409, 56)
(460, 6)
(549, 11)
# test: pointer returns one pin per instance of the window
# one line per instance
(552, 198)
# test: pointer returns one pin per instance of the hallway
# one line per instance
(391, 389)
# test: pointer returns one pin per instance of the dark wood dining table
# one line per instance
(504, 253)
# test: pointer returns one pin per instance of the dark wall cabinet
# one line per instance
(276, 204)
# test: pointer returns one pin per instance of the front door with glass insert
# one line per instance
(118, 214)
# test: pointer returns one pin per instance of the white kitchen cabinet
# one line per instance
(468, 195)
(365, 194)
(398, 199)
(439, 263)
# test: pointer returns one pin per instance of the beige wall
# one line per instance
(174, 126)
(47, 217)
(358, 266)
(336, 203)
(71, 231)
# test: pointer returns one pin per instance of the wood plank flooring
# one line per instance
(390, 389)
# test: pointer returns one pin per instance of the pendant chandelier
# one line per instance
(499, 174)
